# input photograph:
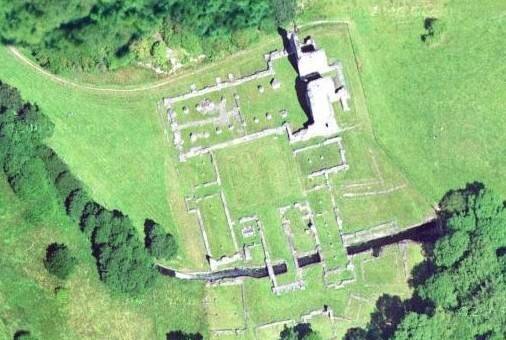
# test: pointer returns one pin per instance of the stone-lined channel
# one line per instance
(426, 232)
(255, 272)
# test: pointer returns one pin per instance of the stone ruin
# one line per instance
(321, 91)
(206, 106)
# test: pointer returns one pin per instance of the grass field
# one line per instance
(80, 307)
(257, 178)
(437, 111)
(424, 119)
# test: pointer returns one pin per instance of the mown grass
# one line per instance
(364, 212)
(262, 173)
(322, 157)
(303, 239)
(225, 307)
(217, 228)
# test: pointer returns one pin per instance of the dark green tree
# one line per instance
(123, 262)
(23, 129)
(356, 333)
(301, 331)
(75, 203)
(160, 244)
(90, 35)
(59, 261)
(460, 289)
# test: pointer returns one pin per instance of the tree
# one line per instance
(301, 331)
(123, 263)
(284, 11)
(23, 129)
(59, 261)
(75, 203)
(159, 54)
(159, 244)
(104, 34)
(463, 288)
(356, 333)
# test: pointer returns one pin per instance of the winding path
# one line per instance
(22, 58)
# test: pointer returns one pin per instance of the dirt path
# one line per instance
(148, 87)
(14, 51)
(67, 82)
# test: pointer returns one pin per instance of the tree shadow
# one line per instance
(419, 305)
(388, 314)
(303, 329)
(22, 334)
(301, 91)
(421, 273)
(292, 58)
(149, 225)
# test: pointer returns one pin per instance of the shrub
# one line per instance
(160, 244)
(180, 335)
(244, 38)
(191, 43)
(159, 54)
(142, 49)
(59, 262)
(23, 335)
(434, 31)
(301, 331)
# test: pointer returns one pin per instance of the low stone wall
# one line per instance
(220, 85)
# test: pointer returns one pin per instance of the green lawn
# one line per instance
(368, 211)
(216, 225)
(303, 239)
(322, 157)
(261, 173)
(198, 171)
(225, 307)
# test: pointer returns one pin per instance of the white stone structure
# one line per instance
(320, 95)
(321, 91)
(310, 59)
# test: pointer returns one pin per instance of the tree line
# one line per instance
(460, 288)
(70, 35)
(125, 261)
